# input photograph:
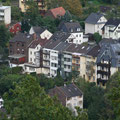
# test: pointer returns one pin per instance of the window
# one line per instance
(10, 51)
(31, 52)
(78, 29)
(22, 44)
(68, 66)
(17, 44)
(10, 45)
(77, 61)
(22, 51)
(76, 35)
(79, 35)
(71, 30)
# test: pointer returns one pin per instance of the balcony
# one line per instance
(46, 66)
(99, 80)
(1, 13)
(103, 65)
(46, 52)
(103, 72)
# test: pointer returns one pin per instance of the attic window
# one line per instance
(69, 90)
(71, 30)
(83, 47)
(78, 29)
(118, 53)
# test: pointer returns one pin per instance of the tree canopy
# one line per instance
(29, 101)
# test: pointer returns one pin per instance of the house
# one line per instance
(15, 28)
(52, 57)
(5, 14)
(56, 12)
(111, 29)
(75, 30)
(18, 50)
(69, 96)
(40, 32)
(1, 102)
(41, 6)
(91, 67)
(94, 23)
(34, 63)
(108, 62)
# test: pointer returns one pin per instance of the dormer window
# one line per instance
(71, 30)
(78, 29)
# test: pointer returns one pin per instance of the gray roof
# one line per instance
(107, 41)
(57, 41)
(114, 22)
(94, 51)
(93, 18)
(22, 37)
(62, 46)
(38, 30)
(81, 49)
(110, 52)
(71, 90)
(70, 27)
(59, 35)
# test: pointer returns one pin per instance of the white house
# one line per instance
(43, 33)
(75, 30)
(94, 23)
(69, 96)
(111, 29)
(34, 52)
(5, 14)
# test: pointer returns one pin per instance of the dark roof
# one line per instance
(94, 51)
(70, 90)
(22, 37)
(93, 18)
(81, 49)
(51, 44)
(110, 52)
(62, 46)
(114, 22)
(38, 30)
(59, 35)
(40, 41)
(70, 27)
(107, 41)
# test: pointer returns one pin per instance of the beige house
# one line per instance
(94, 23)
(69, 96)
(41, 6)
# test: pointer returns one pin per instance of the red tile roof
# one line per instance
(60, 11)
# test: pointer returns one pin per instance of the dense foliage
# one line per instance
(101, 104)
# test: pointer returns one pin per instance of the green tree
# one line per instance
(28, 101)
(7, 82)
(25, 26)
(4, 36)
(97, 37)
(16, 14)
(93, 98)
(113, 97)
(32, 11)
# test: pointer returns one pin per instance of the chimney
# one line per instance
(34, 36)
